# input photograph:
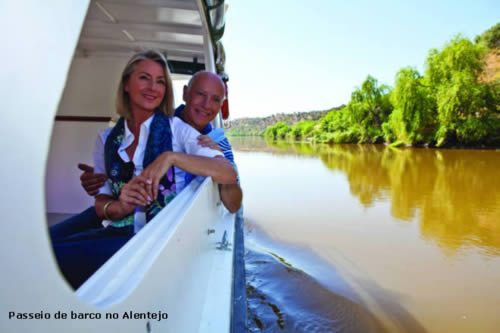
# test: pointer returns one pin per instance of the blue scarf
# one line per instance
(159, 141)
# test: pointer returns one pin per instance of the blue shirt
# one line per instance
(217, 135)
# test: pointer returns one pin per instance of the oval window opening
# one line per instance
(87, 107)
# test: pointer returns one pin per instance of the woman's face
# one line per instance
(146, 86)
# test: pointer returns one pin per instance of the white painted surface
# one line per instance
(71, 143)
(90, 91)
(214, 317)
(39, 41)
(91, 87)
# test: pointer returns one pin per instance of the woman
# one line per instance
(138, 156)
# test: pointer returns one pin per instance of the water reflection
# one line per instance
(453, 194)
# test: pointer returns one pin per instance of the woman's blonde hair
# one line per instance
(122, 97)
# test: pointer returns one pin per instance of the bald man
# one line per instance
(204, 96)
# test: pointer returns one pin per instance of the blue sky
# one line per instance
(294, 55)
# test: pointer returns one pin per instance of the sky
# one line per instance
(285, 56)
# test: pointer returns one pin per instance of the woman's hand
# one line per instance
(135, 193)
(156, 170)
(206, 141)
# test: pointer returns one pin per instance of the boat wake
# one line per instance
(284, 298)
(281, 297)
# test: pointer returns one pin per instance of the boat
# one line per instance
(183, 271)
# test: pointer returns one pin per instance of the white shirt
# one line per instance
(184, 140)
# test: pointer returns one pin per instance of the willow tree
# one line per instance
(277, 131)
(302, 129)
(413, 120)
(465, 104)
(368, 109)
(334, 121)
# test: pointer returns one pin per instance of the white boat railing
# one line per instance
(177, 257)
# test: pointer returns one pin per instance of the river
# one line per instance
(366, 238)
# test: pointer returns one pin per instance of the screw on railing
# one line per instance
(224, 245)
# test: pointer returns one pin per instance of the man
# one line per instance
(203, 96)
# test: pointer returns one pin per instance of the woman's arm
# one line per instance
(218, 168)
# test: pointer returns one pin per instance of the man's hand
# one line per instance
(91, 182)
(206, 141)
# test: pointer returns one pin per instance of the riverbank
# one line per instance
(310, 140)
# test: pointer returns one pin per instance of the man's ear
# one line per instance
(184, 93)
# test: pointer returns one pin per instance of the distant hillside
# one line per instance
(492, 66)
(257, 126)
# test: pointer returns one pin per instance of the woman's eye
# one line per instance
(161, 82)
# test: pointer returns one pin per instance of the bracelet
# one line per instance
(106, 205)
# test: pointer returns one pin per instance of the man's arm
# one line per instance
(218, 168)
(231, 196)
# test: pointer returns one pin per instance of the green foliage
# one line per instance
(460, 55)
(463, 100)
(370, 104)
(302, 129)
(472, 130)
(491, 37)
(361, 120)
(413, 118)
(257, 126)
(335, 121)
(278, 131)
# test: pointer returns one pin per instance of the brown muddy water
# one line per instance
(365, 238)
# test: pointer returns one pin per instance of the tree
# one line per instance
(278, 130)
(464, 103)
(414, 117)
(491, 37)
(368, 109)
(302, 129)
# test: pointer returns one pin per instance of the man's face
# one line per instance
(203, 100)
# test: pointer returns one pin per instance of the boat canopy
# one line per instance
(175, 27)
